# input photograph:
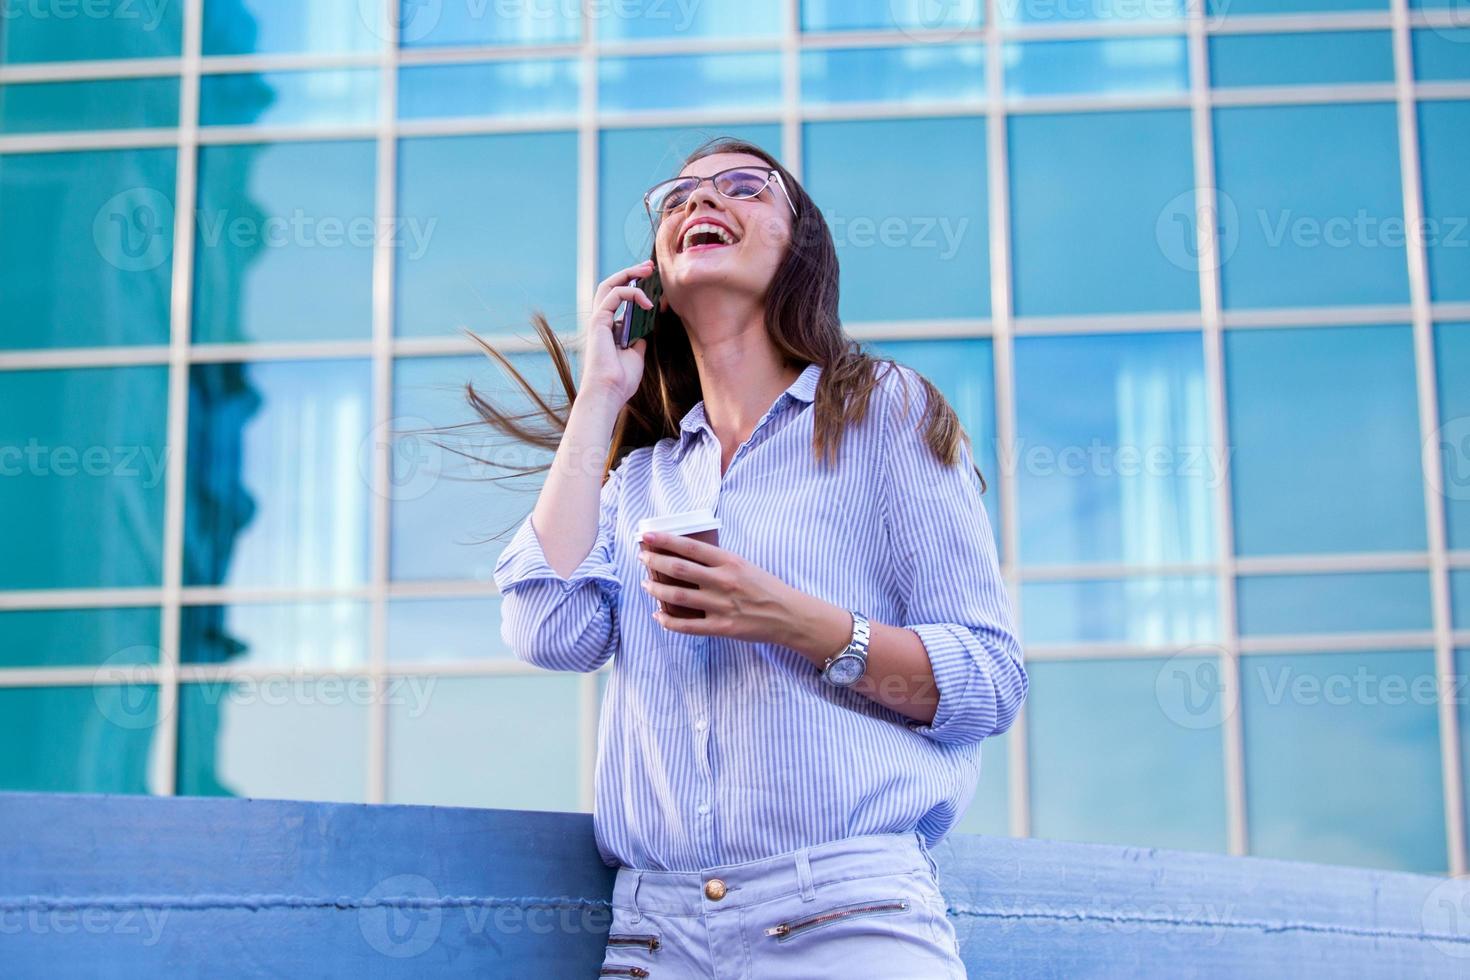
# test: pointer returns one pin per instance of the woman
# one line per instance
(769, 815)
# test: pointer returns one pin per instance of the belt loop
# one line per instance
(804, 876)
(637, 912)
(928, 858)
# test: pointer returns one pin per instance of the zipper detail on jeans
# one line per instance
(786, 930)
(651, 942)
(622, 971)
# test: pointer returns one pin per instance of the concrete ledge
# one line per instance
(133, 886)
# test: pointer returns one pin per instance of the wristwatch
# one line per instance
(845, 666)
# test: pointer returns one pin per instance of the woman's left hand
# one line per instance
(739, 599)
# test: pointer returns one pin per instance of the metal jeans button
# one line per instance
(714, 889)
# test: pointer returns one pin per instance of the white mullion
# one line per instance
(791, 114)
(166, 747)
(1212, 342)
(1427, 383)
(386, 208)
(588, 164)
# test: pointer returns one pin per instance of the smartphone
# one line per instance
(636, 322)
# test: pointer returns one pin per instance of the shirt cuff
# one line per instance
(524, 561)
(949, 657)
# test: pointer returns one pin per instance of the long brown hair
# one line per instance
(801, 316)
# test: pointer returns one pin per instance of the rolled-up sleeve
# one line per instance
(562, 623)
(949, 578)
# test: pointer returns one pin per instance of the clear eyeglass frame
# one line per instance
(773, 176)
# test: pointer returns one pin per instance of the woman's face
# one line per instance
(757, 231)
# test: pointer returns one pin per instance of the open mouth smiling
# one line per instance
(703, 235)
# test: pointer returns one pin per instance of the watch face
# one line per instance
(845, 670)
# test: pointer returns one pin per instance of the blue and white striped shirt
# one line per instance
(714, 751)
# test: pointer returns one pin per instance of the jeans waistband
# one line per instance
(796, 872)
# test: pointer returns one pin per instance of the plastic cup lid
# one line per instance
(687, 522)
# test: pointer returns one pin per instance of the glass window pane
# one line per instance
(1443, 54)
(1301, 58)
(127, 103)
(284, 242)
(1300, 487)
(1342, 759)
(234, 734)
(1116, 66)
(116, 637)
(289, 98)
(426, 25)
(1091, 197)
(289, 26)
(448, 523)
(1318, 603)
(79, 739)
(1460, 599)
(276, 634)
(493, 88)
(640, 20)
(1123, 468)
(989, 811)
(1117, 758)
(487, 233)
(279, 466)
(40, 31)
(964, 372)
(632, 161)
(1444, 138)
(437, 631)
(1311, 208)
(110, 217)
(82, 467)
(918, 73)
(1057, 12)
(911, 229)
(467, 746)
(1240, 8)
(918, 16)
(749, 82)
(1153, 611)
(1452, 362)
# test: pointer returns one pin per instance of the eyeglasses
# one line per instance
(737, 183)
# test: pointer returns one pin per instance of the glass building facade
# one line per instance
(1196, 279)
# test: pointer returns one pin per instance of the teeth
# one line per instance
(705, 226)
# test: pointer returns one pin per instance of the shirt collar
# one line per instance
(804, 388)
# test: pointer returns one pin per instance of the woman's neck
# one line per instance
(740, 371)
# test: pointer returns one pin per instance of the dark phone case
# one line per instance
(638, 322)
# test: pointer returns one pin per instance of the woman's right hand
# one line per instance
(606, 366)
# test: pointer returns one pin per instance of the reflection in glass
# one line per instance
(493, 88)
(1116, 11)
(279, 474)
(1148, 611)
(440, 631)
(1311, 205)
(425, 25)
(1342, 759)
(1103, 205)
(1460, 599)
(1440, 55)
(1452, 363)
(1319, 603)
(488, 226)
(1127, 752)
(917, 73)
(632, 161)
(79, 739)
(1301, 58)
(280, 737)
(964, 372)
(448, 522)
(290, 98)
(126, 103)
(284, 241)
(108, 217)
(911, 228)
(888, 15)
(748, 81)
(117, 637)
(1216, 9)
(1116, 66)
(40, 32)
(1301, 488)
(1123, 469)
(487, 742)
(1444, 138)
(291, 26)
(287, 634)
(650, 19)
(82, 453)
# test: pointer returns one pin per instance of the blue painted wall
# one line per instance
(128, 886)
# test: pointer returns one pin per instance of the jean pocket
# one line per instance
(786, 931)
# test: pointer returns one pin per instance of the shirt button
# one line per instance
(701, 725)
(703, 808)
